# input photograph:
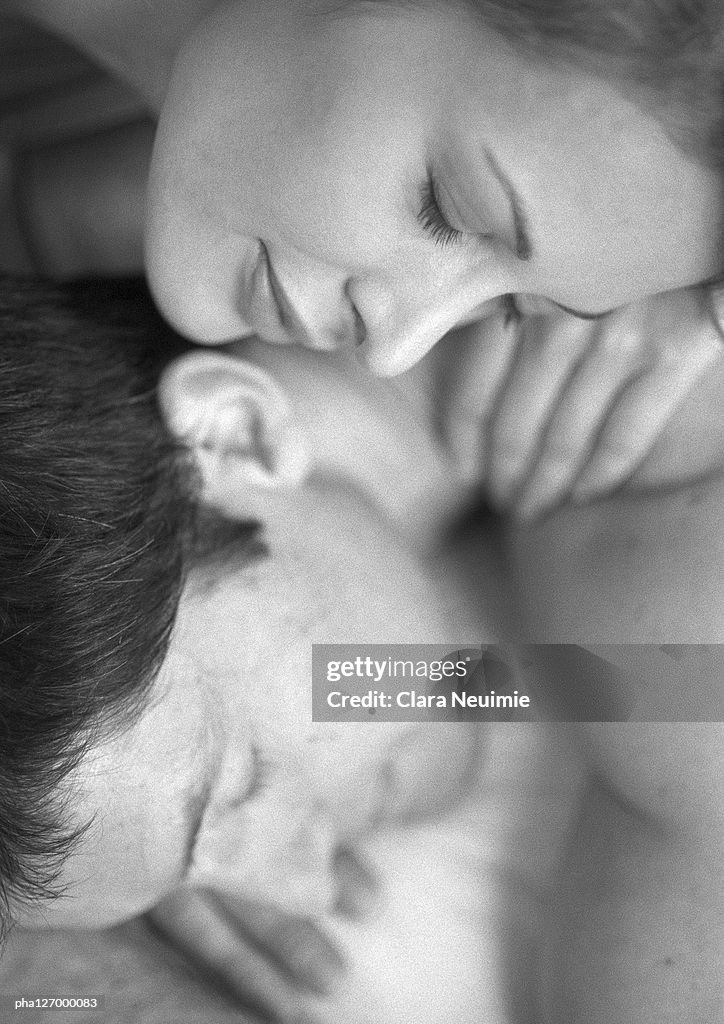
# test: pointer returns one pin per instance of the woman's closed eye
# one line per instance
(432, 218)
(434, 221)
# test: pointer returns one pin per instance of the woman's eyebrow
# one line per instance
(523, 245)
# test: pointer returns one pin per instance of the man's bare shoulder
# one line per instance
(643, 568)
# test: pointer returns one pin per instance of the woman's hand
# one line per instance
(267, 960)
(274, 963)
(557, 408)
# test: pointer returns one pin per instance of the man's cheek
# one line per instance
(118, 871)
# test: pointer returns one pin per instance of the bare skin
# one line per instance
(583, 558)
(632, 372)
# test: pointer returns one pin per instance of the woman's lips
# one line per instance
(265, 305)
(261, 305)
(268, 309)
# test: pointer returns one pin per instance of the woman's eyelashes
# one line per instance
(514, 307)
(433, 219)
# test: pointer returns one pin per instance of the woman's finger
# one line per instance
(473, 362)
(635, 423)
(272, 962)
(646, 358)
(295, 944)
(615, 360)
(548, 352)
(191, 921)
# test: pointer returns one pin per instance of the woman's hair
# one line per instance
(97, 523)
(667, 56)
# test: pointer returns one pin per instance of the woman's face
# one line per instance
(378, 176)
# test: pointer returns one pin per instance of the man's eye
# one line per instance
(432, 218)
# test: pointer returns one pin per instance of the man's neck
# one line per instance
(371, 434)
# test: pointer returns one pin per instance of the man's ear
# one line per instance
(237, 422)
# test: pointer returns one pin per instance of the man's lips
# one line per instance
(430, 770)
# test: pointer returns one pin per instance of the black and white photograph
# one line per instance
(361, 511)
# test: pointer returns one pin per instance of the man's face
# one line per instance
(304, 162)
(225, 781)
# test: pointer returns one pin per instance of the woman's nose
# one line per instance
(398, 334)
(392, 322)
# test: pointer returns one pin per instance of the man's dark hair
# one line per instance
(97, 519)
